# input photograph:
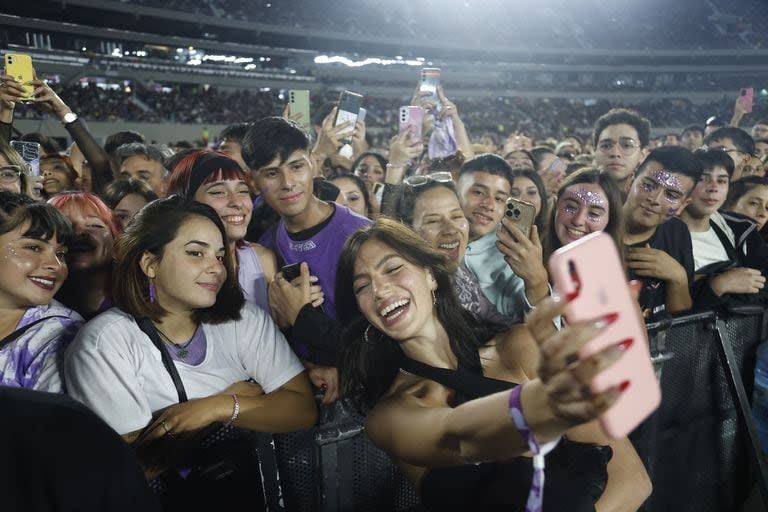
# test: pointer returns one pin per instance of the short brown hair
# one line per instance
(150, 231)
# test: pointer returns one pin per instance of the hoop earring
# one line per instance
(151, 292)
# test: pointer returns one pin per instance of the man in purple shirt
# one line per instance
(310, 230)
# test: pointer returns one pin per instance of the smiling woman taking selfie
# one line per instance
(439, 399)
(34, 328)
(175, 352)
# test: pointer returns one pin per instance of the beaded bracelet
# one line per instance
(235, 411)
(536, 494)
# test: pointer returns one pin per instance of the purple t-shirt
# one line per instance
(321, 251)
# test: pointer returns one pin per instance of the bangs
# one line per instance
(228, 173)
(86, 204)
(45, 222)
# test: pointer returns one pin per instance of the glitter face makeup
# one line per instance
(661, 178)
(581, 209)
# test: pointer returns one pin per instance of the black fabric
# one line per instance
(673, 238)
(18, 332)
(576, 473)
(59, 456)
(308, 233)
(750, 251)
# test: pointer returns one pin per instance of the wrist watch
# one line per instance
(69, 117)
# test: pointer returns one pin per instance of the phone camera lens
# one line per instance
(516, 213)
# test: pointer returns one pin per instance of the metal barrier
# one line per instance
(700, 446)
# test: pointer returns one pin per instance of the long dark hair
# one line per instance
(369, 359)
(615, 226)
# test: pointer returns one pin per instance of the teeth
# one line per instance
(451, 245)
(43, 281)
(235, 218)
(387, 310)
(574, 232)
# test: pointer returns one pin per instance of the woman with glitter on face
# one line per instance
(587, 201)
(34, 328)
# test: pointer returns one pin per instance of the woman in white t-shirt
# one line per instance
(174, 273)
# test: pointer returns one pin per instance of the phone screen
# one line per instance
(430, 79)
(30, 153)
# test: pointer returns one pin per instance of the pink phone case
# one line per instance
(591, 270)
(411, 116)
(747, 98)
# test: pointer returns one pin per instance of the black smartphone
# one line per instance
(292, 271)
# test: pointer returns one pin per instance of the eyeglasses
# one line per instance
(10, 173)
(423, 179)
(626, 146)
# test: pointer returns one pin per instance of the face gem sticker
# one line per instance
(666, 179)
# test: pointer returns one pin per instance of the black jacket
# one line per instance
(745, 248)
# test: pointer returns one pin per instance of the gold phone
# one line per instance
(19, 66)
(522, 214)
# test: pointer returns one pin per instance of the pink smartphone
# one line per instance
(411, 117)
(590, 274)
(746, 98)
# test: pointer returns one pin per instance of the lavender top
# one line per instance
(251, 277)
(321, 251)
(33, 359)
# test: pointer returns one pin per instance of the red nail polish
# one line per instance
(623, 386)
(625, 344)
(610, 318)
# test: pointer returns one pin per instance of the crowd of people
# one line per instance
(538, 118)
(180, 293)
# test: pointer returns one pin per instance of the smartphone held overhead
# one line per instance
(430, 80)
(589, 273)
(410, 118)
(348, 111)
(19, 66)
(746, 99)
(298, 106)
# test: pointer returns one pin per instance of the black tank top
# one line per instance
(576, 473)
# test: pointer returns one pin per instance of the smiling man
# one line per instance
(620, 137)
(309, 230)
(513, 287)
(658, 243)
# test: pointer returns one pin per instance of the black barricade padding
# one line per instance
(335, 467)
(695, 446)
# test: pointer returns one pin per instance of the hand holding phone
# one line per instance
(522, 214)
(430, 79)
(19, 67)
(410, 118)
(291, 272)
(348, 111)
(588, 272)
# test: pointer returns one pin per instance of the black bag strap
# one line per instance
(146, 325)
(18, 332)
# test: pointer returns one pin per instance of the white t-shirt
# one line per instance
(113, 367)
(707, 248)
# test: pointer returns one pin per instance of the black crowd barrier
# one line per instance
(700, 447)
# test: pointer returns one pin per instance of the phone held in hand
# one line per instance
(30, 153)
(411, 118)
(298, 103)
(522, 214)
(291, 272)
(348, 111)
(19, 66)
(746, 98)
(590, 274)
(430, 79)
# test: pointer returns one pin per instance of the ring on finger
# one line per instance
(167, 430)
